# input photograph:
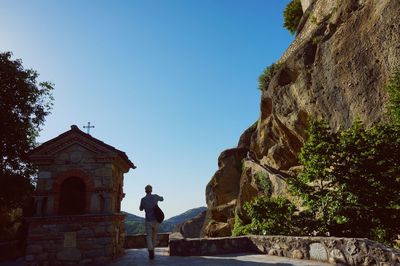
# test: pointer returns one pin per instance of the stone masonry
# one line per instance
(82, 239)
(77, 200)
(337, 251)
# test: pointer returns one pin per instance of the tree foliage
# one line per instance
(292, 15)
(267, 214)
(393, 89)
(24, 104)
(351, 180)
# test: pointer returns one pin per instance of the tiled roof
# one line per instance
(76, 130)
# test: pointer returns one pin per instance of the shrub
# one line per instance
(269, 216)
(266, 77)
(292, 15)
(263, 182)
(393, 89)
(240, 228)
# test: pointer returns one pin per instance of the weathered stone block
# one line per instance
(42, 257)
(110, 228)
(85, 233)
(104, 240)
(109, 251)
(107, 181)
(336, 256)
(69, 254)
(85, 261)
(99, 230)
(52, 247)
(318, 252)
(34, 249)
(273, 252)
(100, 172)
(100, 260)
(297, 254)
(98, 182)
(93, 253)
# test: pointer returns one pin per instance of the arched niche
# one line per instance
(72, 192)
(72, 196)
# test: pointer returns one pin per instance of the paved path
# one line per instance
(140, 257)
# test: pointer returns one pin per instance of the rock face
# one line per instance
(192, 227)
(336, 69)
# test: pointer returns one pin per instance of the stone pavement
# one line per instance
(140, 257)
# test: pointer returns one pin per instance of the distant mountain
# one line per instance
(135, 224)
(187, 215)
(169, 224)
(132, 217)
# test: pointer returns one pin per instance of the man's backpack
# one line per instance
(159, 214)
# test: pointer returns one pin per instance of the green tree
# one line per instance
(24, 104)
(267, 214)
(351, 180)
(369, 167)
(317, 185)
(292, 15)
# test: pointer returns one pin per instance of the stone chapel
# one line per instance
(78, 196)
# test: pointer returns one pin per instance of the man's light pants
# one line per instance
(151, 234)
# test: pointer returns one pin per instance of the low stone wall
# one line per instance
(346, 251)
(75, 239)
(139, 241)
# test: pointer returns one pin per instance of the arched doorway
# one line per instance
(72, 196)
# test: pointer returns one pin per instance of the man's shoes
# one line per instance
(151, 254)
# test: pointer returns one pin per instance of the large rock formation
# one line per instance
(192, 227)
(336, 68)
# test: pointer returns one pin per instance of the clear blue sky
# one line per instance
(172, 83)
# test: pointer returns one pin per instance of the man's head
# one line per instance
(148, 189)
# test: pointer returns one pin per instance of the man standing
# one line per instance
(148, 203)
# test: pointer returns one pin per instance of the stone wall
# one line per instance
(345, 251)
(10, 250)
(80, 239)
(139, 241)
(103, 180)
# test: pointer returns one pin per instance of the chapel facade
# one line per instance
(78, 196)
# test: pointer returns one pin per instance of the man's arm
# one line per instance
(141, 205)
(159, 198)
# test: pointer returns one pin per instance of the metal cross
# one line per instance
(88, 127)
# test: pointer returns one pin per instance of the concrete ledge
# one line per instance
(347, 251)
(139, 241)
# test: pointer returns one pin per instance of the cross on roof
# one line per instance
(88, 127)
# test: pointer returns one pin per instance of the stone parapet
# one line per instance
(210, 246)
(139, 241)
(345, 251)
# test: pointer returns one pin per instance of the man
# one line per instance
(147, 203)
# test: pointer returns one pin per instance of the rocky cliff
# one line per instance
(336, 68)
